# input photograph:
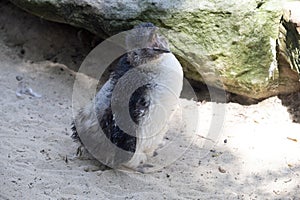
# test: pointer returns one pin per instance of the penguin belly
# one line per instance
(166, 77)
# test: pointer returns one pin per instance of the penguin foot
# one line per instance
(83, 154)
(79, 151)
(143, 168)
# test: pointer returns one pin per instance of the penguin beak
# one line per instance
(161, 50)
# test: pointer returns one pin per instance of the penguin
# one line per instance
(127, 121)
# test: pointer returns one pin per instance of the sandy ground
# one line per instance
(256, 156)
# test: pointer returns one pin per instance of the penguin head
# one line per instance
(147, 44)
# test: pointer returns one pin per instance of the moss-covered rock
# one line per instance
(230, 44)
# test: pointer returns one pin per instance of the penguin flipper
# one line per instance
(139, 103)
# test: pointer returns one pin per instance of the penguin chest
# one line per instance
(167, 78)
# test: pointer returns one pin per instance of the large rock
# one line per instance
(228, 44)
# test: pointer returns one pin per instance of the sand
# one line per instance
(256, 155)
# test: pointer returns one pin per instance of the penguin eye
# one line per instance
(161, 50)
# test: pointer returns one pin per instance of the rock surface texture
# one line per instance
(227, 44)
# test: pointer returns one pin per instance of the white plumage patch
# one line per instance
(167, 75)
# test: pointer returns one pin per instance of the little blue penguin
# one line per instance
(128, 119)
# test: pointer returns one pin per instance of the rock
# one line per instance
(230, 44)
(288, 48)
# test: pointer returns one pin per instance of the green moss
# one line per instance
(238, 44)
